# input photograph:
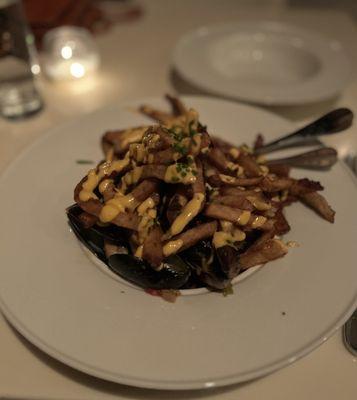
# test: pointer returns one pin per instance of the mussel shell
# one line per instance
(111, 233)
(92, 241)
(204, 261)
(228, 258)
(173, 274)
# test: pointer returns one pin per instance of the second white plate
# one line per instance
(263, 62)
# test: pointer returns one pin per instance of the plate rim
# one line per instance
(264, 24)
(156, 384)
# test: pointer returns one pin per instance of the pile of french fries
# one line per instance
(171, 185)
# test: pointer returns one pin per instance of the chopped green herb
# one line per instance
(228, 290)
(175, 179)
(180, 148)
(84, 162)
(191, 131)
(194, 172)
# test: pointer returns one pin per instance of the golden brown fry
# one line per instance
(275, 185)
(263, 252)
(152, 250)
(145, 189)
(250, 166)
(281, 225)
(318, 203)
(222, 144)
(235, 191)
(260, 222)
(178, 108)
(217, 158)
(281, 170)
(157, 115)
(199, 185)
(121, 139)
(87, 220)
(225, 180)
(235, 202)
(192, 236)
(235, 215)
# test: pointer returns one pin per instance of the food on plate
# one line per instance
(173, 207)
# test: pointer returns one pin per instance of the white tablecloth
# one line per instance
(136, 63)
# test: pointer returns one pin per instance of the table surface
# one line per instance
(136, 63)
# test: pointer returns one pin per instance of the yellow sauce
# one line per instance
(222, 238)
(205, 150)
(93, 177)
(264, 170)
(227, 178)
(234, 152)
(284, 195)
(150, 158)
(88, 186)
(238, 169)
(196, 144)
(143, 227)
(209, 172)
(243, 218)
(258, 221)
(147, 212)
(145, 205)
(292, 243)
(132, 135)
(133, 176)
(116, 205)
(259, 204)
(189, 212)
(191, 120)
(226, 226)
(103, 186)
(172, 247)
(139, 251)
(261, 159)
(173, 176)
(137, 151)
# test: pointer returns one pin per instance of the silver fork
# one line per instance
(350, 327)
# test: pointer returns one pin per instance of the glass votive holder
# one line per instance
(69, 52)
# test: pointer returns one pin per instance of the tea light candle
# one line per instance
(69, 53)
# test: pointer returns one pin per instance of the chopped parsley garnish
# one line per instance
(84, 162)
(228, 290)
(179, 148)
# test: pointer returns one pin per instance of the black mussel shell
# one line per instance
(173, 275)
(228, 258)
(111, 233)
(204, 261)
(93, 238)
(90, 239)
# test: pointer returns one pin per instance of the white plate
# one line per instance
(263, 62)
(69, 308)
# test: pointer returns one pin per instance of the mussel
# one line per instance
(217, 267)
(174, 272)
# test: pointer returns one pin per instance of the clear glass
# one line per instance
(18, 94)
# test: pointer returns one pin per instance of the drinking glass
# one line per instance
(18, 63)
